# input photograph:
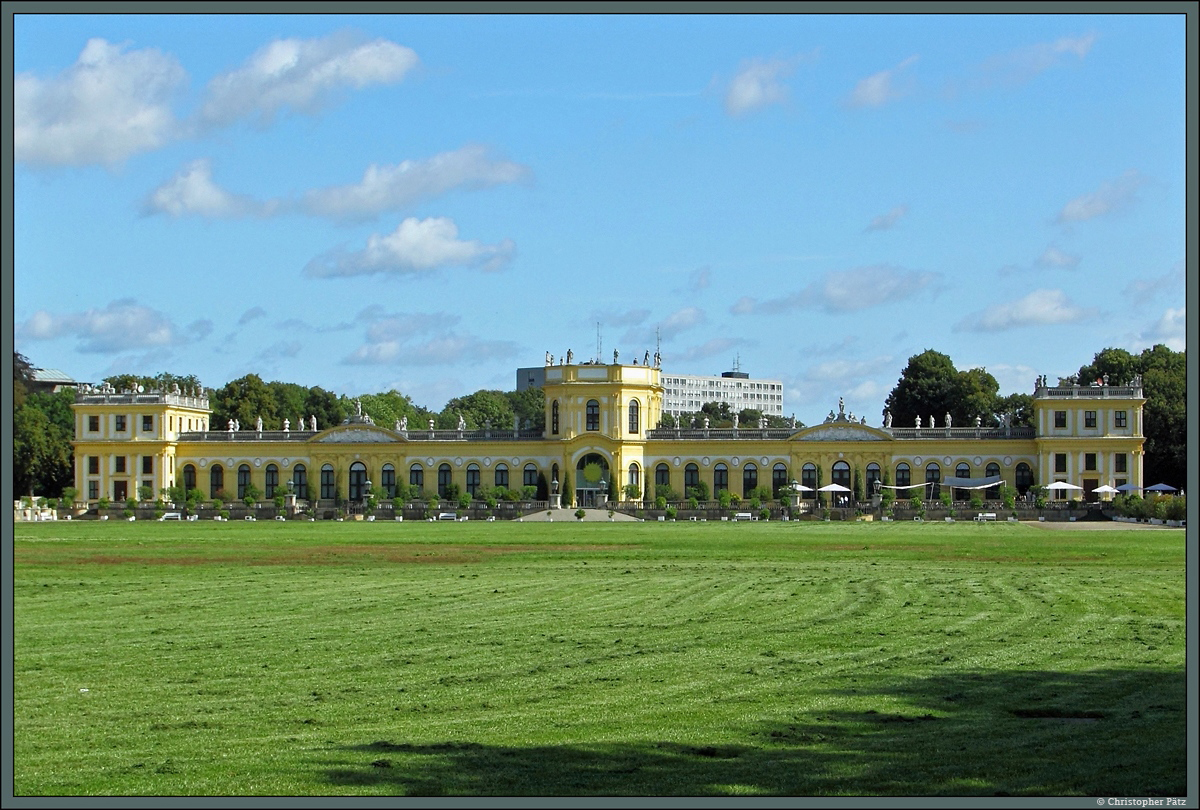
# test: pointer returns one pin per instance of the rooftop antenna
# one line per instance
(599, 344)
(657, 341)
(737, 362)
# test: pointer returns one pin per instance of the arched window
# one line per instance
(691, 477)
(328, 482)
(749, 479)
(358, 482)
(473, 479)
(933, 475)
(779, 479)
(501, 477)
(243, 480)
(992, 492)
(662, 476)
(593, 415)
(841, 474)
(963, 470)
(444, 479)
(904, 478)
(272, 481)
(189, 478)
(530, 476)
(635, 476)
(416, 479)
(633, 416)
(388, 482)
(808, 477)
(554, 417)
(1024, 478)
(216, 481)
(720, 478)
(873, 475)
(300, 481)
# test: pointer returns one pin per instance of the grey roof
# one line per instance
(51, 375)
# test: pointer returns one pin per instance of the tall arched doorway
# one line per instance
(593, 483)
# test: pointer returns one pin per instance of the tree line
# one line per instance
(930, 385)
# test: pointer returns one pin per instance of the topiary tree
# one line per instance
(886, 496)
(251, 495)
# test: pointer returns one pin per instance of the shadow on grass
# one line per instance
(1104, 733)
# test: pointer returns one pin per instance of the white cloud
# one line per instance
(700, 279)
(1053, 257)
(668, 328)
(846, 291)
(192, 191)
(1110, 197)
(757, 84)
(882, 87)
(387, 188)
(1170, 330)
(109, 105)
(416, 246)
(121, 326)
(251, 314)
(423, 339)
(885, 221)
(1039, 307)
(1023, 64)
(301, 75)
(710, 348)
(1144, 290)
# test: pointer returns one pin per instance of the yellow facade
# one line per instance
(602, 413)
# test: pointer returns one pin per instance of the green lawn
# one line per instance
(560, 659)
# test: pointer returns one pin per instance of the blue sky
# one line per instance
(427, 203)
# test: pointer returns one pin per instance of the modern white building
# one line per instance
(687, 393)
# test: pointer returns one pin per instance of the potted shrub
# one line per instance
(579, 513)
(672, 512)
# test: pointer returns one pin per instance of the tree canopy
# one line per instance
(1164, 384)
(930, 386)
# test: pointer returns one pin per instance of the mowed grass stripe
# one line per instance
(623, 659)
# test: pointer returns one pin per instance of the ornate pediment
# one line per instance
(842, 433)
(356, 435)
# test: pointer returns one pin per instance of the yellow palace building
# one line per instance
(606, 414)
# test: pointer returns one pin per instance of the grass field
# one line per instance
(509, 659)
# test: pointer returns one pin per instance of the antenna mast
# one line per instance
(599, 344)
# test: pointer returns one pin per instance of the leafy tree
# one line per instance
(391, 406)
(244, 400)
(42, 455)
(22, 376)
(483, 406)
(57, 407)
(1018, 406)
(719, 414)
(529, 406)
(163, 381)
(1164, 384)
(326, 406)
(667, 421)
(930, 386)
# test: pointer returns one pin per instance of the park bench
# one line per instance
(743, 516)
(171, 516)
(447, 516)
(982, 516)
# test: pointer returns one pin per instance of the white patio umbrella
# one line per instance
(1061, 485)
(833, 488)
(1106, 490)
